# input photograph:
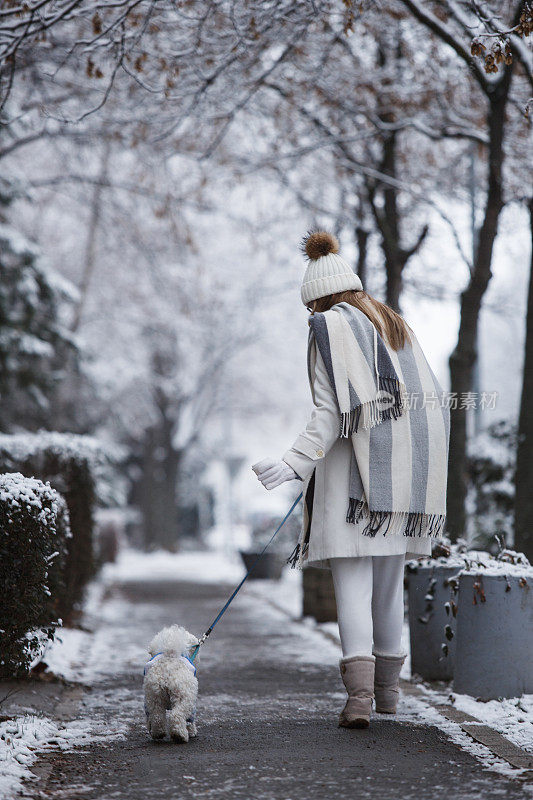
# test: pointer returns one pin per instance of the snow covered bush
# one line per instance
(34, 530)
(491, 465)
(72, 464)
(33, 342)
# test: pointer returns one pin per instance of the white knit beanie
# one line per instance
(326, 273)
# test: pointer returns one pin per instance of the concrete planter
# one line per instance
(319, 595)
(428, 592)
(269, 567)
(494, 639)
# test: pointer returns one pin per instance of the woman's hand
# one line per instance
(272, 473)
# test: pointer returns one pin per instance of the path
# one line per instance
(267, 717)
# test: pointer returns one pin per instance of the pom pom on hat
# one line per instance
(317, 244)
(326, 273)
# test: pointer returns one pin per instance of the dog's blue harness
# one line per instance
(184, 657)
(190, 665)
(150, 663)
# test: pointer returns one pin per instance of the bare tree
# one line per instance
(357, 111)
(524, 457)
(60, 62)
(385, 134)
(450, 23)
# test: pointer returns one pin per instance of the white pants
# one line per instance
(369, 595)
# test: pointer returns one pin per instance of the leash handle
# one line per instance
(237, 589)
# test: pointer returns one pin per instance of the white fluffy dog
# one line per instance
(170, 684)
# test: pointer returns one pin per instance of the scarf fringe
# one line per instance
(408, 523)
(297, 556)
(369, 414)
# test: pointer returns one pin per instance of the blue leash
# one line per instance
(226, 605)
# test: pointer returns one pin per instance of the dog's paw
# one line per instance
(157, 727)
(180, 736)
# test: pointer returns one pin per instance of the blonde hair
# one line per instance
(388, 323)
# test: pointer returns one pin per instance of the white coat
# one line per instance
(318, 448)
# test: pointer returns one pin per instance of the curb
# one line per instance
(494, 741)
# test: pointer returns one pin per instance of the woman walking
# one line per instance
(373, 461)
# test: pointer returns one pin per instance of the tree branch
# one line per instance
(446, 35)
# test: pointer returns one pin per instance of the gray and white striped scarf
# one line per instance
(392, 408)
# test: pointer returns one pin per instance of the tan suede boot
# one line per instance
(387, 683)
(357, 674)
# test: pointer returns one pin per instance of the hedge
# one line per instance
(34, 531)
(74, 466)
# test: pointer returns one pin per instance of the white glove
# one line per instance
(272, 473)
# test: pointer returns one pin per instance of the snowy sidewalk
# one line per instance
(270, 693)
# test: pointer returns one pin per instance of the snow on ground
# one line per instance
(417, 711)
(286, 593)
(204, 566)
(513, 717)
(76, 656)
(305, 643)
(64, 652)
(84, 656)
(25, 738)
(21, 739)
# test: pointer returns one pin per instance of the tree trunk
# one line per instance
(390, 224)
(394, 283)
(523, 537)
(89, 261)
(463, 357)
(388, 221)
(361, 237)
(158, 502)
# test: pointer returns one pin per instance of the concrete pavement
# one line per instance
(269, 698)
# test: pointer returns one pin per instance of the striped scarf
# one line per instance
(392, 408)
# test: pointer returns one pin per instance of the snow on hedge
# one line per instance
(13, 241)
(34, 528)
(15, 449)
(17, 491)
